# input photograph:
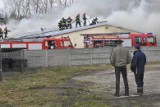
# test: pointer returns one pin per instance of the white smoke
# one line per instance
(138, 15)
(144, 18)
(33, 24)
(92, 8)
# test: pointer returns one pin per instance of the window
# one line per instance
(151, 39)
(61, 43)
(98, 44)
(51, 44)
(67, 43)
(137, 39)
(106, 43)
(144, 40)
(112, 42)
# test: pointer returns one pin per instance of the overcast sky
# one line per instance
(1, 3)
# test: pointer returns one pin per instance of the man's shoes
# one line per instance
(126, 94)
(140, 91)
(116, 95)
(140, 94)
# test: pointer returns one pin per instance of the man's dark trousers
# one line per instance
(118, 71)
(139, 82)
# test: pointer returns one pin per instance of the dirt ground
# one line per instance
(103, 84)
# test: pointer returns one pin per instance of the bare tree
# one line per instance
(27, 8)
(44, 6)
(64, 3)
(24, 8)
(36, 6)
(51, 3)
(15, 8)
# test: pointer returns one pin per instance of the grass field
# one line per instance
(52, 87)
(55, 87)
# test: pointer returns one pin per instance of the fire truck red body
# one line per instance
(45, 44)
(109, 39)
(147, 39)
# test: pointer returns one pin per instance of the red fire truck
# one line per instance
(144, 39)
(44, 44)
(109, 39)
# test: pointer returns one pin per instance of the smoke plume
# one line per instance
(138, 15)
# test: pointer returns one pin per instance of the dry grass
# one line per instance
(37, 88)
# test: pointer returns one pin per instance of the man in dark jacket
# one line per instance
(120, 57)
(138, 67)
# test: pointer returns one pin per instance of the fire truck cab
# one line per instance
(45, 44)
(57, 43)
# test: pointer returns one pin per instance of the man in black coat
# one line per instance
(138, 67)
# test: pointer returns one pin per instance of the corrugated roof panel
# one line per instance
(60, 32)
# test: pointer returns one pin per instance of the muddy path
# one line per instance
(102, 83)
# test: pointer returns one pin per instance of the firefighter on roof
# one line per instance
(5, 32)
(63, 23)
(78, 21)
(1, 33)
(94, 21)
(60, 25)
(69, 23)
(84, 19)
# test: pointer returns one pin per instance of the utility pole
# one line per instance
(0, 63)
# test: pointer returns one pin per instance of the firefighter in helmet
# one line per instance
(78, 21)
(94, 21)
(60, 25)
(1, 33)
(5, 32)
(69, 23)
(63, 23)
(84, 19)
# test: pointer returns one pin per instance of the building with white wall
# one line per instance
(75, 34)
